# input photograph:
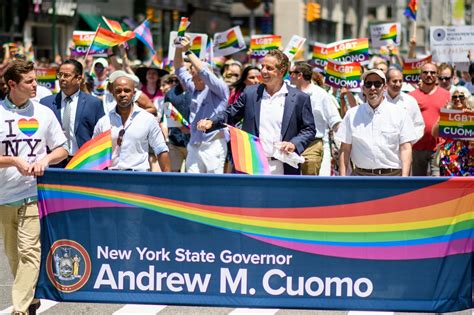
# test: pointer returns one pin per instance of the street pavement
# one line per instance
(54, 308)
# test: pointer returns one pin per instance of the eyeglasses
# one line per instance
(120, 137)
(64, 75)
(369, 84)
(429, 72)
(455, 97)
(444, 78)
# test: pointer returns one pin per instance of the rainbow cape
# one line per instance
(95, 154)
(412, 69)
(411, 9)
(247, 152)
(392, 34)
(183, 25)
(113, 25)
(104, 39)
(176, 115)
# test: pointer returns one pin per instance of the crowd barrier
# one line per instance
(341, 243)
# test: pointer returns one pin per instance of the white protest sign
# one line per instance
(228, 42)
(294, 45)
(451, 43)
(384, 34)
(198, 44)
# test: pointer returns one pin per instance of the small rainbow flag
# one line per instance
(411, 9)
(412, 69)
(95, 154)
(104, 39)
(247, 152)
(196, 45)
(232, 41)
(113, 25)
(176, 115)
(183, 25)
(156, 61)
(343, 74)
(392, 34)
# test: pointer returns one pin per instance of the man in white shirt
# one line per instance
(376, 135)
(27, 129)
(326, 117)
(133, 131)
(396, 96)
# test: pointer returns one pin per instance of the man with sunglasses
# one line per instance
(133, 129)
(76, 111)
(376, 135)
(445, 79)
(431, 98)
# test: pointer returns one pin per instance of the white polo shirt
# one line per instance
(325, 113)
(376, 135)
(411, 105)
(141, 130)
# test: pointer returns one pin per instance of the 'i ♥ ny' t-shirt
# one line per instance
(25, 132)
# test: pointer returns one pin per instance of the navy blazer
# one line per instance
(89, 111)
(297, 125)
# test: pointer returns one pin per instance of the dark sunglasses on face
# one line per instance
(444, 78)
(429, 72)
(461, 97)
(369, 84)
(120, 137)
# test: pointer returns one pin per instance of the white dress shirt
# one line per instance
(376, 135)
(411, 105)
(70, 133)
(141, 131)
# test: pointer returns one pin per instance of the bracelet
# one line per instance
(188, 52)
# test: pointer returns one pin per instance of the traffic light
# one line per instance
(313, 11)
(150, 13)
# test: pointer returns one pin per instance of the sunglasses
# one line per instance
(444, 78)
(120, 137)
(429, 72)
(461, 97)
(369, 84)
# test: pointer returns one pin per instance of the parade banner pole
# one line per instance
(93, 39)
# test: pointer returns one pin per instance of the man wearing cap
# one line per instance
(133, 131)
(78, 112)
(376, 135)
(100, 68)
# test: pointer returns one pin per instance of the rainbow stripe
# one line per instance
(391, 35)
(349, 50)
(266, 43)
(28, 126)
(345, 71)
(412, 68)
(232, 41)
(176, 115)
(411, 9)
(247, 153)
(46, 74)
(156, 61)
(196, 45)
(183, 25)
(113, 25)
(430, 222)
(464, 128)
(105, 39)
(95, 154)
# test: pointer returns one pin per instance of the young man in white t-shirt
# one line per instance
(27, 128)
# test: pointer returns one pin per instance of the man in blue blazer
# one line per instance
(278, 114)
(78, 112)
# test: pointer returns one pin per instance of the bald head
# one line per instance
(124, 91)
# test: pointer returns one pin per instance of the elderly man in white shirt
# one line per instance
(377, 135)
(133, 131)
(395, 95)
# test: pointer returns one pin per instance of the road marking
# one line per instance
(254, 311)
(45, 305)
(138, 309)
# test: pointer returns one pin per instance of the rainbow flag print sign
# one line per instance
(228, 42)
(347, 243)
(46, 77)
(412, 69)
(384, 34)
(294, 46)
(198, 44)
(82, 41)
(343, 74)
(349, 50)
(456, 124)
(262, 44)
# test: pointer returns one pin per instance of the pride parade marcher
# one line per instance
(277, 113)
(27, 129)
(377, 135)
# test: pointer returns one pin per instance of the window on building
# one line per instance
(322, 31)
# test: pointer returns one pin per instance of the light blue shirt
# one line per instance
(206, 103)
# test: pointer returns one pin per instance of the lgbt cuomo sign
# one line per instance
(256, 241)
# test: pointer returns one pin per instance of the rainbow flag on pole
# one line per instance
(247, 152)
(183, 25)
(95, 154)
(176, 116)
(113, 25)
(411, 9)
(143, 33)
(104, 39)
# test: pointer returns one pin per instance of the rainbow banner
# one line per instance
(46, 77)
(95, 154)
(82, 40)
(247, 153)
(385, 34)
(228, 42)
(349, 50)
(346, 243)
(294, 46)
(456, 124)
(174, 117)
(262, 44)
(411, 9)
(343, 74)
(412, 69)
(198, 44)
(104, 39)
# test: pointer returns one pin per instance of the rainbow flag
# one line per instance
(113, 25)
(176, 115)
(95, 154)
(232, 41)
(411, 9)
(46, 77)
(247, 152)
(262, 44)
(143, 33)
(104, 39)
(196, 45)
(456, 124)
(156, 61)
(343, 74)
(228, 42)
(183, 25)
(350, 50)
(392, 34)
(412, 69)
